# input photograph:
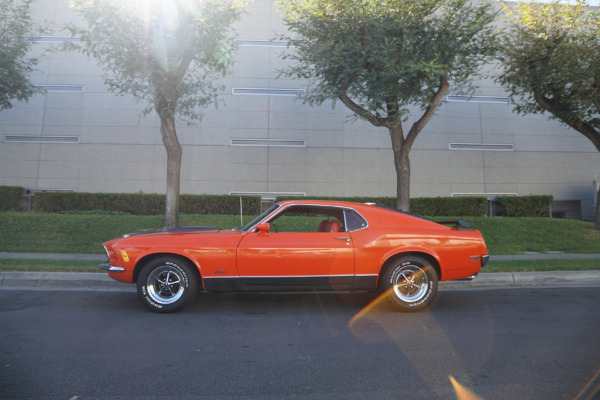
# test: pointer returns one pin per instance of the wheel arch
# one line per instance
(432, 259)
(143, 261)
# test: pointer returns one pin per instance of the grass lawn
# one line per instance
(519, 235)
(542, 265)
(85, 233)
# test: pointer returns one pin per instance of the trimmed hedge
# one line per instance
(154, 204)
(525, 206)
(428, 206)
(9, 197)
(143, 204)
(450, 206)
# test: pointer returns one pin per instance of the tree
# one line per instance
(551, 65)
(16, 31)
(164, 53)
(380, 57)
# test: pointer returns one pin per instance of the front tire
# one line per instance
(167, 284)
(410, 283)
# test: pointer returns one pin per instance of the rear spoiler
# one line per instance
(457, 224)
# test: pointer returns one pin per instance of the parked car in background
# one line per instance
(301, 245)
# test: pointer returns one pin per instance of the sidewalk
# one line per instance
(101, 281)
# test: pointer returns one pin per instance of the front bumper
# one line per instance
(110, 268)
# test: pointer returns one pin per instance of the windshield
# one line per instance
(256, 220)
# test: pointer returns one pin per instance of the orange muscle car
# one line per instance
(301, 245)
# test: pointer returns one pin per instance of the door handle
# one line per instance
(347, 239)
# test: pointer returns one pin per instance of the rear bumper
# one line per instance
(484, 260)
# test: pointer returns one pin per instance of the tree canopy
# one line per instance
(381, 58)
(551, 64)
(166, 54)
(16, 33)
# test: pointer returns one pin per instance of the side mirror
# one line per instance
(266, 227)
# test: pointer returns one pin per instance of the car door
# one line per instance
(299, 259)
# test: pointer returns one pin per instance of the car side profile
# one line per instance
(300, 245)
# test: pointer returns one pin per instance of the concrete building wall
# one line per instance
(83, 138)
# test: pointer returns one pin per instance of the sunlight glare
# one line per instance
(462, 393)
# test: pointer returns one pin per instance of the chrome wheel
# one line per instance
(165, 285)
(412, 284)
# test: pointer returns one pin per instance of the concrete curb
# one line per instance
(61, 280)
(515, 279)
(101, 281)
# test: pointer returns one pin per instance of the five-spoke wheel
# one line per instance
(410, 282)
(166, 284)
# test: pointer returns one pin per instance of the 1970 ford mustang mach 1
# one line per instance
(300, 245)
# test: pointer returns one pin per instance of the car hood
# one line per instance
(175, 231)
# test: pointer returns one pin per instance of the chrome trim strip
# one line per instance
(297, 276)
(288, 276)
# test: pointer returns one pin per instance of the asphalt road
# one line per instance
(523, 343)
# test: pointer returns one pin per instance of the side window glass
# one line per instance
(308, 219)
(354, 221)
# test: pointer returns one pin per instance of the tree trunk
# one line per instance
(402, 163)
(174, 155)
(597, 223)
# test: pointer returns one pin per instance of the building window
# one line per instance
(262, 43)
(482, 146)
(478, 99)
(62, 88)
(53, 39)
(41, 139)
(268, 92)
(269, 142)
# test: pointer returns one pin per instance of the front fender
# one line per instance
(144, 257)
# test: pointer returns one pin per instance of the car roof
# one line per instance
(375, 214)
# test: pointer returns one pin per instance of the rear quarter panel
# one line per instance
(390, 233)
(458, 253)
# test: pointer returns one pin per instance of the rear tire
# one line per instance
(167, 284)
(410, 283)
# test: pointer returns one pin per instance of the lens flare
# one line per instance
(462, 393)
(592, 389)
